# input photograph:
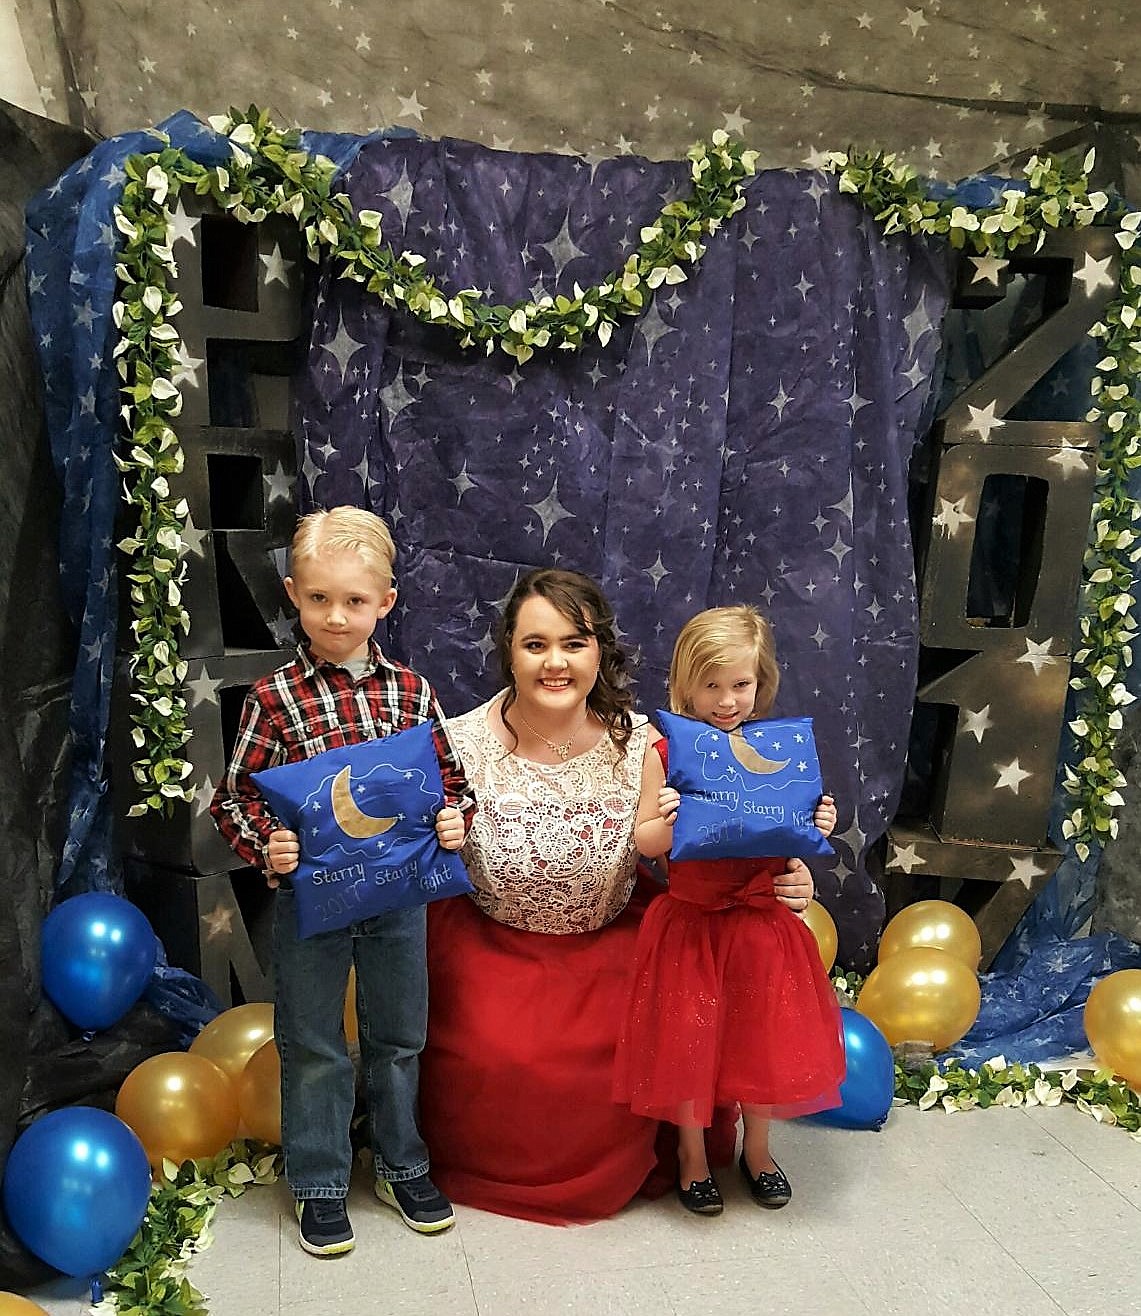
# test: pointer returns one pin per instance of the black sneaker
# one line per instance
(421, 1205)
(325, 1227)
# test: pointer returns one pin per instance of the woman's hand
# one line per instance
(824, 815)
(282, 855)
(794, 887)
(668, 801)
(450, 828)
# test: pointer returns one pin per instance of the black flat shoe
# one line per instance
(771, 1189)
(702, 1198)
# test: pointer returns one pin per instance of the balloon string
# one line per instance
(96, 1289)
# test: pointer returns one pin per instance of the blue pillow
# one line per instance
(744, 795)
(365, 816)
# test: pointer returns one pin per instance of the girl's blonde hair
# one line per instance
(345, 529)
(714, 638)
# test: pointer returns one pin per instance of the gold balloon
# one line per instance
(921, 995)
(231, 1038)
(351, 1007)
(181, 1106)
(822, 927)
(1113, 1024)
(259, 1094)
(935, 923)
(11, 1304)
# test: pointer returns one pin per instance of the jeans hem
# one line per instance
(401, 1176)
(319, 1194)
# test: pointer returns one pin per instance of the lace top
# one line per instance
(552, 846)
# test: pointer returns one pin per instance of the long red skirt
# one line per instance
(516, 1080)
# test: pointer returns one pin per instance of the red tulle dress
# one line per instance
(730, 1001)
(528, 984)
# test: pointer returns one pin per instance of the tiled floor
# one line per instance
(986, 1211)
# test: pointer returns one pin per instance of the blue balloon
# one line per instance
(868, 1089)
(76, 1188)
(98, 955)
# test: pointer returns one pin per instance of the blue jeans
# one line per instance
(318, 1082)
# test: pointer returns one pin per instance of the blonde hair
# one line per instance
(713, 639)
(345, 529)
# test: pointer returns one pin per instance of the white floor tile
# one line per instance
(1109, 1153)
(1040, 1209)
(622, 1293)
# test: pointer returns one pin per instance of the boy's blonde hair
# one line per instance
(345, 529)
(713, 639)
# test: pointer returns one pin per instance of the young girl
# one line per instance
(731, 1004)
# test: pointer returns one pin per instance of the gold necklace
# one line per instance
(562, 750)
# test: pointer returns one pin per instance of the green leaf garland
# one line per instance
(150, 1277)
(955, 1087)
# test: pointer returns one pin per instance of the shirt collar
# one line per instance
(311, 666)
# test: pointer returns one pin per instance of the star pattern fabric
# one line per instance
(1032, 1010)
(951, 89)
(746, 440)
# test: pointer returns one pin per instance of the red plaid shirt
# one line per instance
(306, 707)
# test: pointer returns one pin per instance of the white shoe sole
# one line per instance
(325, 1249)
(388, 1197)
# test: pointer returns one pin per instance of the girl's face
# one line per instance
(724, 696)
(554, 664)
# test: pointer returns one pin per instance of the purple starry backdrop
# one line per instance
(746, 440)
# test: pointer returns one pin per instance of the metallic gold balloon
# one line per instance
(350, 1020)
(822, 927)
(1112, 1018)
(180, 1105)
(935, 923)
(11, 1304)
(231, 1038)
(921, 995)
(259, 1094)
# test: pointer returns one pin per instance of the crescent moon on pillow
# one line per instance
(350, 819)
(749, 759)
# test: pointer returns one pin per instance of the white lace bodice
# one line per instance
(552, 845)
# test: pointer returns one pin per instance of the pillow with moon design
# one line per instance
(365, 816)
(745, 794)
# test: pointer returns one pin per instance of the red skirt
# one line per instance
(730, 1002)
(516, 1083)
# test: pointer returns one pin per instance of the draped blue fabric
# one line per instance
(72, 244)
(71, 253)
(746, 440)
(1033, 1011)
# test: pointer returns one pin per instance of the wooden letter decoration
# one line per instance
(240, 286)
(1002, 678)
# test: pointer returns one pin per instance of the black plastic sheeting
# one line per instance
(44, 1063)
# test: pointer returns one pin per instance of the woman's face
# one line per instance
(554, 664)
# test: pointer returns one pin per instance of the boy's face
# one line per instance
(340, 599)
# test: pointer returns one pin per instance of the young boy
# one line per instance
(337, 690)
